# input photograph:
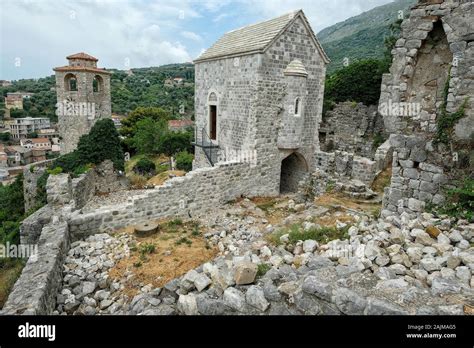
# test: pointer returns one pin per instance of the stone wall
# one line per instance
(351, 127)
(31, 174)
(431, 69)
(196, 193)
(35, 291)
(341, 165)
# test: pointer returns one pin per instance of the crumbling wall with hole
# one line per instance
(352, 127)
(427, 104)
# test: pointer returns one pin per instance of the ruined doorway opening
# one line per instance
(213, 122)
(293, 169)
(427, 84)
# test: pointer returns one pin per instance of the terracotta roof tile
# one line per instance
(82, 55)
(82, 68)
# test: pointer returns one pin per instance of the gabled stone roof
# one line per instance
(256, 38)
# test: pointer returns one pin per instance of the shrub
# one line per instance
(55, 171)
(358, 82)
(184, 161)
(460, 201)
(145, 166)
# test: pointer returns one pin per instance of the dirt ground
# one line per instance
(173, 250)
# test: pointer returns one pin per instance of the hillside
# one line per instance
(142, 87)
(362, 36)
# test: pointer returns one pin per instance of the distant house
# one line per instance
(49, 133)
(19, 156)
(180, 125)
(21, 127)
(5, 83)
(36, 143)
(14, 101)
(178, 80)
(3, 157)
(117, 119)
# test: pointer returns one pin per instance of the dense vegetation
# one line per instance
(145, 87)
(361, 80)
(361, 37)
(12, 211)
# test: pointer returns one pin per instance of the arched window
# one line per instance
(297, 106)
(97, 83)
(70, 82)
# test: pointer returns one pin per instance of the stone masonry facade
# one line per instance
(256, 101)
(83, 95)
(432, 68)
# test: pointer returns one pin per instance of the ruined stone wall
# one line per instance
(341, 165)
(35, 291)
(432, 68)
(31, 174)
(198, 192)
(351, 127)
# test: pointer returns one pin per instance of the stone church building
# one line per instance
(259, 97)
(83, 94)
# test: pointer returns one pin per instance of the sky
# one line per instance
(37, 35)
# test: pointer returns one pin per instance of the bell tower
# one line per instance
(83, 97)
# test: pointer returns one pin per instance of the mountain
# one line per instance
(362, 36)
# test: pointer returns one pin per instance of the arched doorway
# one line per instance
(293, 169)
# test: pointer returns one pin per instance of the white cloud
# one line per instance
(43, 32)
(191, 36)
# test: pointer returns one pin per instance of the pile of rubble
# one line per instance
(397, 265)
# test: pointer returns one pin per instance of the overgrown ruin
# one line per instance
(258, 115)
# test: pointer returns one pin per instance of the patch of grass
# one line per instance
(10, 270)
(184, 240)
(330, 186)
(147, 248)
(266, 206)
(195, 232)
(321, 235)
(262, 269)
(175, 222)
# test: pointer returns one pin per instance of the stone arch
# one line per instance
(70, 82)
(427, 82)
(97, 84)
(294, 168)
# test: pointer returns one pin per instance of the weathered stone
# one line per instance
(245, 273)
(187, 304)
(234, 298)
(256, 298)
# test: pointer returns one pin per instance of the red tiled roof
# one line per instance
(82, 68)
(180, 123)
(82, 55)
(40, 140)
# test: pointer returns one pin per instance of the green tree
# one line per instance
(149, 134)
(32, 135)
(174, 142)
(102, 143)
(358, 82)
(129, 124)
(5, 136)
(184, 161)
